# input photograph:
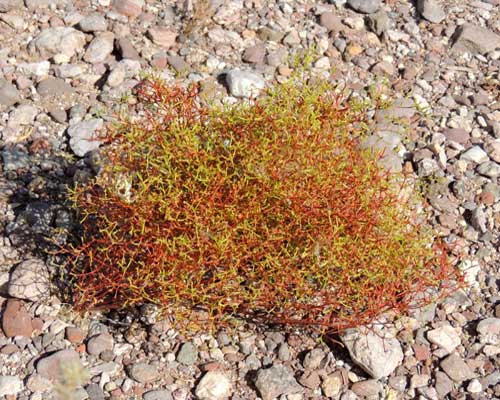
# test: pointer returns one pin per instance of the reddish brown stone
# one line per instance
(421, 352)
(16, 320)
(74, 334)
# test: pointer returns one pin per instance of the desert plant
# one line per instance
(268, 210)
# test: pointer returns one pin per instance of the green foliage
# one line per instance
(267, 210)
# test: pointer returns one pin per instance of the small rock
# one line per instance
(364, 6)
(254, 54)
(22, 115)
(214, 385)
(54, 87)
(16, 320)
(143, 372)
(188, 354)
(99, 343)
(419, 380)
(458, 135)
(244, 83)
(117, 76)
(38, 69)
(9, 95)
(178, 64)
(52, 366)
(489, 168)
(129, 8)
(74, 334)
(456, 368)
(162, 36)
(100, 48)
(83, 136)
(10, 385)
(331, 385)
(445, 337)
(443, 384)
(10, 5)
(157, 395)
(474, 386)
(94, 22)
(378, 356)
(489, 330)
(29, 281)
(94, 392)
(310, 379)
(475, 154)
(59, 40)
(378, 23)
(330, 21)
(431, 10)
(475, 39)
(368, 388)
(126, 49)
(276, 381)
(383, 68)
(313, 359)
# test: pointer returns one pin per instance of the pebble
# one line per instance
(244, 84)
(129, 8)
(378, 356)
(431, 10)
(30, 281)
(475, 154)
(188, 354)
(489, 330)
(364, 6)
(162, 36)
(368, 388)
(100, 343)
(10, 5)
(143, 372)
(445, 337)
(94, 22)
(157, 395)
(456, 368)
(214, 385)
(10, 385)
(9, 95)
(16, 321)
(331, 385)
(100, 48)
(53, 87)
(59, 40)
(276, 381)
(83, 136)
(51, 367)
(475, 39)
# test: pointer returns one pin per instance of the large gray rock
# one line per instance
(431, 10)
(84, 136)
(276, 381)
(59, 40)
(188, 354)
(475, 39)
(214, 385)
(445, 337)
(377, 355)
(244, 83)
(9, 95)
(30, 281)
(364, 6)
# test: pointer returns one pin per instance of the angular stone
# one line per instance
(456, 368)
(187, 354)
(83, 136)
(94, 22)
(331, 385)
(10, 5)
(443, 384)
(52, 367)
(59, 40)
(445, 337)
(100, 48)
(431, 10)
(157, 395)
(74, 334)
(16, 320)
(29, 281)
(254, 54)
(475, 154)
(378, 356)
(475, 39)
(313, 359)
(162, 36)
(369, 388)
(276, 381)
(214, 385)
(489, 330)
(458, 135)
(127, 49)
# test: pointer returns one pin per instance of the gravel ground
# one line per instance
(68, 65)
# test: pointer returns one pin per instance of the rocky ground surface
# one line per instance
(66, 65)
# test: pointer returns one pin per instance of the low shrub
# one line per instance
(269, 211)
